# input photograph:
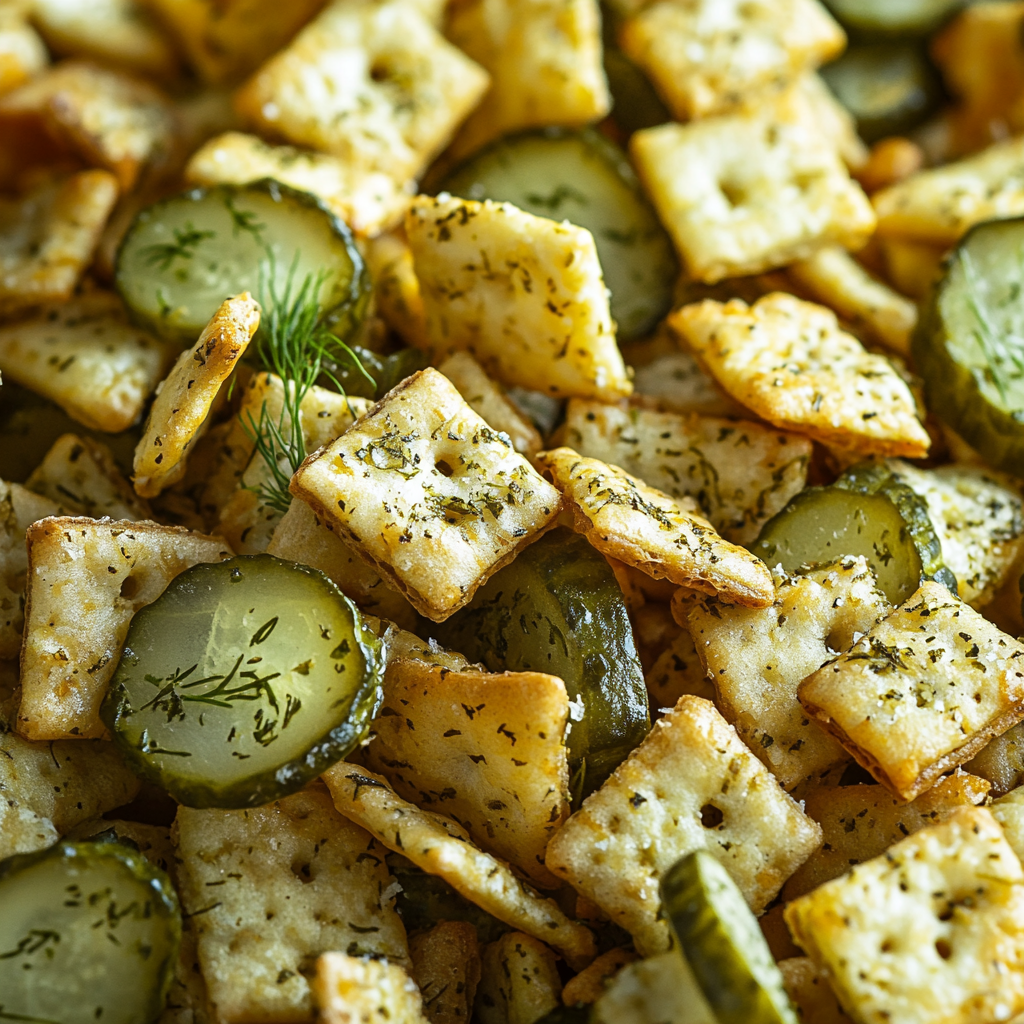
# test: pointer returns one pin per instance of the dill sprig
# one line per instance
(162, 254)
(295, 345)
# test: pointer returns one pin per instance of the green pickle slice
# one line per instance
(585, 179)
(559, 609)
(183, 256)
(88, 932)
(893, 17)
(242, 682)
(969, 346)
(721, 940)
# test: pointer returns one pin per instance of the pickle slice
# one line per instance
(969, 346)
(583, 178)
(893, 17)
(558, 609)
(722, 941)
(242, 682)
(183, 256)
(88, 932)
(821, 524)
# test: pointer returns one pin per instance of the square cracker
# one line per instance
(429, 495)
(301, 537)
(446, 966)
(22, 53)
(757, 659)
(710, 56)
(932, 932)
(438, 846)
(48, 237)
(46, 789)
(268, 890)
(922, 692)
(740, 473)
(486, 749)
(668, 539)
(81, 476)
(862, 822)
(791, 363)
(938, 205)
(524, 294)
(520, 981)
(544, 59)
(374, 84)
(746, 192)
(367, 200)
(691, 785)
(186, 394)
(365, 990)
(86, 579)
(85, 356)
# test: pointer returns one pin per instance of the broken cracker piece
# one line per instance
(519, 982)
(446, 966)
(365, 990)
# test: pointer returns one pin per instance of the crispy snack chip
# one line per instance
(922, 692)
(835, 279)
(446, 966)
(931, 931)
(438, 846)
(862, 822)
(520, 981)
(86, 579)
(675, 671)
(489, 401)
(938, 205)
(268, 890)
(588, 986)
(185, 396)
(668, 539)
(396, 288)
(374, 84)
(367, 200)
(363, 990)
(486, 749)
(85, 356)
(746, 192)
(757, 659)
(739, 473)
(544, 59)
(690, 785)
(22, 53)
(524, 294)
(711, 56)
(48, 238)
(46, 789)
(429, 495)
(791, 363)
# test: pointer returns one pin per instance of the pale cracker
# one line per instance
(428, 494)
(86, 579)
(757, 659)
(740, 473)
(22, 53)
(185, 396)
(48, 237)
(524, 294)
(922, 692)
(368, 201)
(835, 122)
(931, 931)
(446, 966)
(268, 890)
(677, 670)
(862, 822)
(690, 785)
(835, 279)
(711, 56)
(913, 267)
(374, 84)
(365, 990)
(519, 981)
(544, 59)
(488, 400)
(85, 356)
(438, 846)
(396, 288)
(746, 192)
(668, 539)
(486, 749)
(791, 363)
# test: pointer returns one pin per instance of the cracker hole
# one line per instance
(380, 72)
(443, 468)
(711, 816)
(943, 948)
(129, 587)
(302, 871)
(887, 946)
(735, 195)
